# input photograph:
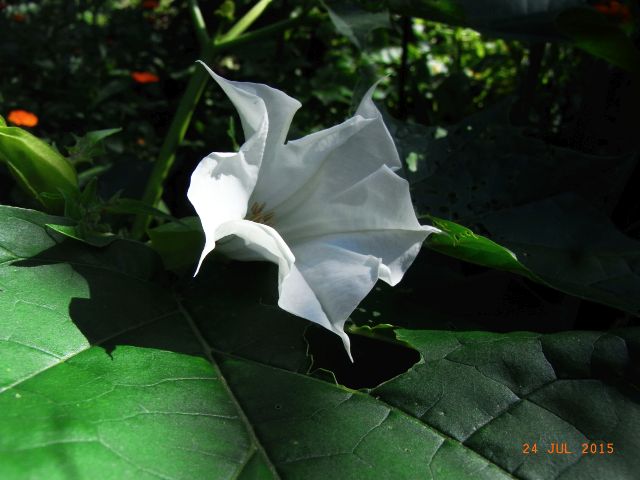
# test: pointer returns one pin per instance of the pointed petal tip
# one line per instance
(208, 248)
(430, 229)
(198, 267)
(345, 341)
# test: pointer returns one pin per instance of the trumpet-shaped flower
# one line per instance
(328, 209)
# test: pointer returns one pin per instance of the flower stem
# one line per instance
(189, 101)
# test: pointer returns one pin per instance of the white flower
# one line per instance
(328, 208)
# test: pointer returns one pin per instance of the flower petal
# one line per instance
(257, 103)
(298, 162)
(329, 160)
(256, 241)
(222, 183)
(327, 283)
(220, 189)
(378, 202)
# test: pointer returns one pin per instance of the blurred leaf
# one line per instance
(446, 11)
(490, 177)
(73, 232)
(227, 9)
(572, 247)
(530, 19)
(92, 173)
(39, 169)
(484, 164)
(89, 146)
(575, 20)
(354, 22)
(599, 36)
(131, 206)
(109, 90)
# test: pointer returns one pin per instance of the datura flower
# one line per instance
(328, 209)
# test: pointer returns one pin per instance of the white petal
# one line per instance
(380, 201)
(327, 283)
(255, 241)
(337, 157)
(256, 103)
(222, 184)
(220, 189)
(395, 250)
(333, 160)
(298, 162)
(379, 142)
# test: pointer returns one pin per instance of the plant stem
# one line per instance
(403, 71)
(199, 24)
(188, 103)
(246, 21)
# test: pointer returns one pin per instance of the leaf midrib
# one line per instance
(208, 351)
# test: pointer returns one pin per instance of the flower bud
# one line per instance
(39, 169)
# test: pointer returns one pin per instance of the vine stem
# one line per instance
(191, 97)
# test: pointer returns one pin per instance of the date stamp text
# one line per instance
(563, 448)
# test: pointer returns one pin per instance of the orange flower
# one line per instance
(145, 77)
(613, 8)
(19, 17)
(150, 4)
(22, 118)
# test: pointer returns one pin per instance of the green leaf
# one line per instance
(460, 242)
(124, 377)
(131, 206)
(354, 22)
(490, 177)
(574, 248)
(90, 145)
(574, 20)
(72, 231)
(39, 169)
(597, 35)
(179, 244)
(438, 10)
(534, 18)
(226, 10)
(494, 392)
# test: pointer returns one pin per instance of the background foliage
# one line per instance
(519, 324)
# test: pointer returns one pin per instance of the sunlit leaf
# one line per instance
(39, 169)
(183, 384)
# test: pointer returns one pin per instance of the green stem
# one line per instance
(188, 103)
(199, 24)
(246, 21)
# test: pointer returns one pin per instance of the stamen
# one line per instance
(258, 215)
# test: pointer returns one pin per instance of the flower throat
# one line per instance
(258, 215)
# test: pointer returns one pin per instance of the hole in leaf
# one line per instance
(375, 361)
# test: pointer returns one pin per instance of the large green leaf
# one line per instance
(109, 373)
(495, 392)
